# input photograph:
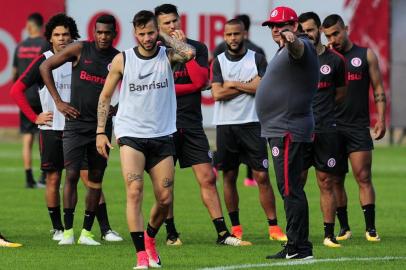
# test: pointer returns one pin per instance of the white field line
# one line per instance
(303, 262)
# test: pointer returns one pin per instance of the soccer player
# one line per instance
(236, 74)
(249, 180)
(7, 243)
(284, 106)
(91, 61)
(191, 144)
(25, 52)
(60, 31)
(145, 122)
(353, 123)
(323, 153)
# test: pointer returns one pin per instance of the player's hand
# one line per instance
(379, 130)
(67, 110)
(286, 37)
(330, 45)
(102, 142)
(44, 118)
(179, 35)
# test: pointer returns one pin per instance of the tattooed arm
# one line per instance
(179, 50)
(114, 76)
(379, 94)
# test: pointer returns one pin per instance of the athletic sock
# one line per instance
(342, 216)
(152, 232)
(88, 220)
(29, 178)
(103, 218)
(138, 241)
(235, 218)
(221, 227)
(68, 214)
(369, 215)
(272, 222)
(170, 226)
(55, 215)
(328, 229)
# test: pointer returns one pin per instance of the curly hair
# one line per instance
(61, 19)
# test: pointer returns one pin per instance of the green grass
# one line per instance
(23, 218)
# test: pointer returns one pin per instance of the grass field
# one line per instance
(23, 218)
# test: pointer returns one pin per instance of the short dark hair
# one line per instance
(236, 21)
(333, 19)
(166, 9)
(143, 17)
(36, 18)
(310, 16)
(107, 19)
(61, 19)
(245, 20)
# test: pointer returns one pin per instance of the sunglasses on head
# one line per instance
(279, 25)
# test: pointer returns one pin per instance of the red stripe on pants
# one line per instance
(286, 163)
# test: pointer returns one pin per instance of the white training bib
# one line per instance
(147, 102)
(240, 109)
(62, 77)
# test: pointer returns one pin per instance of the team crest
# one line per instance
(356, 62)
(109, 67)
(274, 13)
(331, 162)
(210, 154)
(265, 163)
(275, 151)
(325, 69)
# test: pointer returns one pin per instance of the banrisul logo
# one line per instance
(145, 87)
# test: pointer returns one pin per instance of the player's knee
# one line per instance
(135, 193)
(363, 177)
(94, 185)
(207, 180)
(262, 178)
(325, 184)
(164, 199)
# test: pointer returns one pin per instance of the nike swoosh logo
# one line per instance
(291, 256)
(66, 75)
(144, 76)
(232, 75)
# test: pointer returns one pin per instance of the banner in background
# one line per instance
(12, 24)
(201, 20)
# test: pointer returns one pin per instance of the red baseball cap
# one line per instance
(281, 15)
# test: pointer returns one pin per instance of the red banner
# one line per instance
(370, 27)
(12, 24)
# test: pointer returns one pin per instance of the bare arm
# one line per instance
(379, 94)
(248, 87)
(15, 74)
(113, 78)
(180, 51)
(70, 52)
(294, 45)
(221, 93)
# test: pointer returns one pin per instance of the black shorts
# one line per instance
(78, 146)
(241, 143)
(354, 140)
(154, 149)
(323, 153)
(51, 150)
(192, 147)
(26, 126)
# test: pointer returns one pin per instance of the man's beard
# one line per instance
(153, 46)
(238, 49)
